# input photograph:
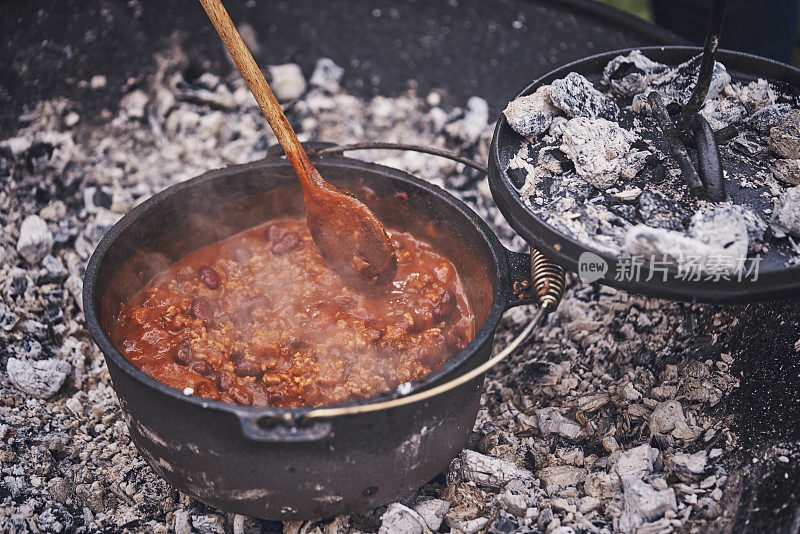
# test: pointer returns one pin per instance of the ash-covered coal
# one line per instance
(630, 75)
(531, 115)
(594, 425)
(634, 200)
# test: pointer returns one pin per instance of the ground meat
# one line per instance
(260, 319)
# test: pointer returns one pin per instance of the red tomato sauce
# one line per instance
(259, 319)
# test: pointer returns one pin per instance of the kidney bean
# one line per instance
(201, 309)
(433, 352)
(225, 380)
(184, 355)
(445, 308)
(209, 277)
(285, 244)
(275, 397)
(201, 367)
(241, 396)
(236, 357)
(248, 368)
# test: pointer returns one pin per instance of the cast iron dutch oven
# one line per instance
(777, 275)
(299, 463)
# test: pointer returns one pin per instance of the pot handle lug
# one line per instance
(282, 428)
(534, 280)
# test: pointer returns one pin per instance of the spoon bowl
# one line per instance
(352, 240)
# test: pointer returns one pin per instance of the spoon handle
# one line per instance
(261, 91)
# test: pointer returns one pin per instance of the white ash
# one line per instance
(629, 75)
(668, 418)
(68, 462)
(577, 97)
(98, 81)
(399, 518)
(587, 222)
(35, 239)
(725, 222)
(756, 95)
(556, 130)
(487, 471)
(327, 75)
(688, 468)
(133, 104)
(722, 112)
(560, 476)
(711, 252)
(41, 378)
(552, 422)
(518, 498)
(642, 503)
(601, 151)
(532, 114)
(286, 81)
(206, 90)
(635, 463)
(469, 128)
(786, 213)
(432, 511)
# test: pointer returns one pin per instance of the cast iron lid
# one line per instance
(775, 278)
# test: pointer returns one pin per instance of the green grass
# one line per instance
(642, 9)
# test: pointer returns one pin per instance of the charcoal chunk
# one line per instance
(767, 118)
(35, 239)
(628, 75)
(626, 211)
(660, 212)
(784, 138)
(601, 151)
(38, 378)
(531, 115)
(786, 170)
(786, 215)
(577, 97)
(677, 84)
(724, 219)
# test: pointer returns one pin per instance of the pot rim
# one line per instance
(450, 370)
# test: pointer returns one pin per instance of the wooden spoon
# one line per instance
(348, 235)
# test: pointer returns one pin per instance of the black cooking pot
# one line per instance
(777, 276)
(283, 463)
